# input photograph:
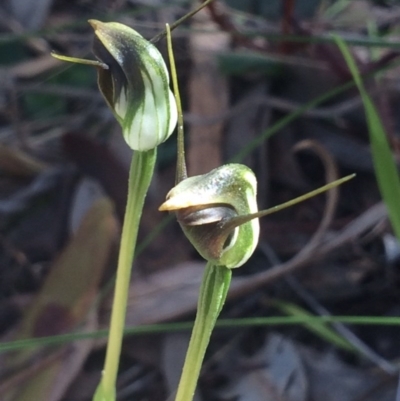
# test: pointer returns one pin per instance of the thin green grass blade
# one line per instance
(184, 326)
(384, 164)
(290, 320)
(320, 328)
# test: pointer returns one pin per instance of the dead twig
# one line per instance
(351, 232)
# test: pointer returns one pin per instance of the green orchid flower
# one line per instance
(134, 81)
(209, 209)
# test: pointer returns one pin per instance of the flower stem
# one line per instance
(140, 174)
(213, 292)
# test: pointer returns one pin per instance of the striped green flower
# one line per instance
(135, 85)
(134, 81)
(217, 213)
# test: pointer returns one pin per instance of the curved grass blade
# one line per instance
(385, 167)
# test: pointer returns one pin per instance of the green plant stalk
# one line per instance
(140, 175)
(213, 292)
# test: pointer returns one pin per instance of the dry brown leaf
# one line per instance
(63, 303)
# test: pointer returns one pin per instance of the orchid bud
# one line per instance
(134, 81)
(212, 210)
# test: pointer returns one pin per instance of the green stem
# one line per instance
(213, 292)
(140, 174)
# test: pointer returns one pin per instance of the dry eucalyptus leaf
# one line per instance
(62, 304)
